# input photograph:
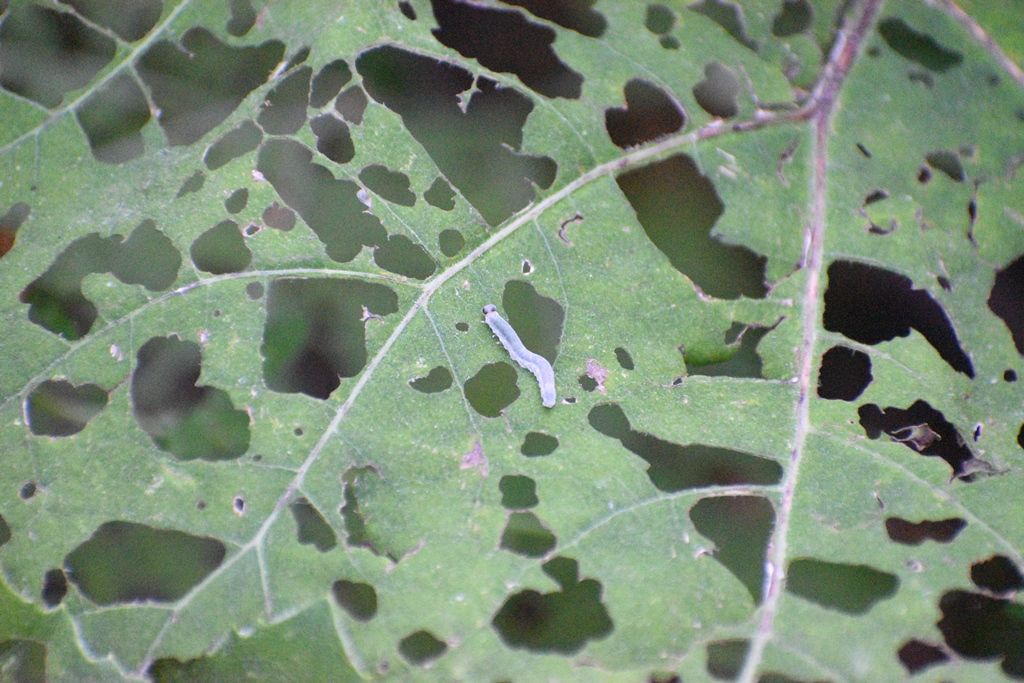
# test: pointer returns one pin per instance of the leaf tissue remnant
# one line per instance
(672, 467)
(920, 428)
(506, 41)
(127, 562)
(314, 333)
(872, 305)
(650, 113)
(59, 408)
(188, 420)
(474, 143)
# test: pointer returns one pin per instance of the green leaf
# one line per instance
(253, 425)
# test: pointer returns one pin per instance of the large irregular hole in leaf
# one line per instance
(982, 627)
(55, 587)
(9, 224)
(919, 48)
(561, 621)
(677, 207)
(59, 408)
(279, 217)
(243, 17)
(526, 535)
(474, 143)
(537, 444)
(330, 207)
(916, 655)
(129, 20)
(357, 598)
(127, 562)
(506, 41)
(740, 527)
(575, 15)
(650, 113)
(399, 254)
(351, 105)
(1006, 300)
(55, 298)
(221, 249)
(284, 110)
(421, 647)
(738, 358)
(729, 16)
(997, 574)
(437, 380)
(672, 467)
(197, 84)
(23, 660)
(112, 117)
(328, 82)
(537, 319)
(795, 17)
(844, 374)
(915, 533)
(871, 305)
(492, 389)
(717, 94)
(313, 529)
(391, 185)
(725, 658)
(920, 428)
(849, 588)
(181, 417)
(332, 138)
(45, 54)
(315, 334)
(239, 141)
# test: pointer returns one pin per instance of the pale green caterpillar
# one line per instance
(535, 363)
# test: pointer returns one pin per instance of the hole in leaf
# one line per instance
(131, 21)
(537, 444)
(659, 19)
(997, 574)
(575, 15)
(45, 53)
(863, 150)
(648, 115)
(284, 110)
(127, 562)
(537, 319)
(59, 408)
(314, 333)
(391, 185)
(111, 118)
(624, 359)
(243, 17)
(238, 504)
(28, 490)
(727, 15)
(188, 420)
(55, 298)
(677, 207)
(981, 627)
(919, 48)
(438, 379)
(356, 534)
(526, 535)
(330, 207)
(844, 375)
(9, 224)
(518, 492)
(492, 389)
(239, 141)
(351, 105)
(1006, 300)
(850, 588)
(441, 195)
(55, 587)
(279, 217)
(407, 10)
(193, 183)
(920, 428)
(5, 531)
(561, 621)
(1009, 376)
(916, 655)
(313, 529)
(794, 17)
(669, 42)
(910, 533)
(332, 138)
(948, 163)
(221, 249)
(328, 82)
(506, 41)
(421, 647)
(485, 164)
(403, 256)
(450, 242)
(462, 327)
(672, 467)
(872, 305)
(726, 657)
(237, 201)
(358, 599)
(717, 94)
(740, 527)
(197, 84)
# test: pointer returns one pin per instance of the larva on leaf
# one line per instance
(535, 363)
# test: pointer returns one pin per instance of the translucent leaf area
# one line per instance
(254, 425)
